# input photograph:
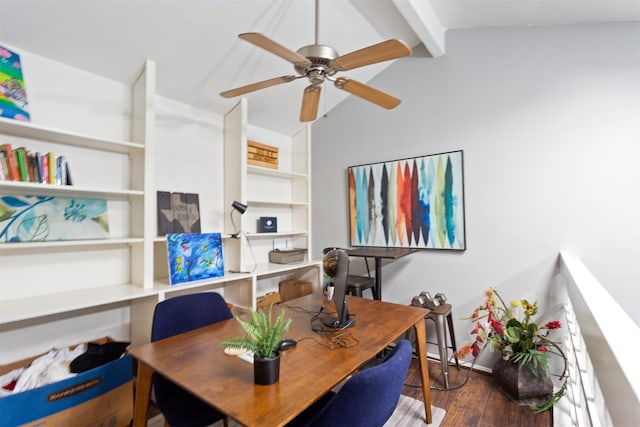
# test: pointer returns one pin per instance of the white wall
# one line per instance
(549, 121)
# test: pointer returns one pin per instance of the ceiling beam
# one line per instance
(425, 24)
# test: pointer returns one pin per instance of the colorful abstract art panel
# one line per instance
(194, 256)
(42, 218)
(413, 203)
(13, 96)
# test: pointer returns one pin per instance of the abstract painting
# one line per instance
(13, 96)
(194, 256)
(45, 218)
(414, 203)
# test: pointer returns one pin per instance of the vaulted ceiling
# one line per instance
(198, 54)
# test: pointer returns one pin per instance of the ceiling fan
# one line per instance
(318, 63)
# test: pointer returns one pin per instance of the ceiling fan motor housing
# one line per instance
(320, 57)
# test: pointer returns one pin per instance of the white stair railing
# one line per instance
(601, 343)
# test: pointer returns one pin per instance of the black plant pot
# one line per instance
(520, 384)
(266, 371)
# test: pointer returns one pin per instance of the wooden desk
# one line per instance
(195, 360)
(379, 254)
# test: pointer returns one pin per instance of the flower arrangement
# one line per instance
(511, 329)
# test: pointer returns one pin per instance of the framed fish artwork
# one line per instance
(194, 256)
(413, 203)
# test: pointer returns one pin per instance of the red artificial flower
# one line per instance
(475, 349)
(477, 329)
(497, 327)
(554, 324)
(542, 348)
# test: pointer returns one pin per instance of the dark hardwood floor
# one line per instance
(477, 403)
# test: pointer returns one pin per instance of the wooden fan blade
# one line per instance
(256, 86)
(390, 49)
(269, 45)
(310, 102)
(367, 92)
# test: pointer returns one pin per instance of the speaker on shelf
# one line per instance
(267, 224)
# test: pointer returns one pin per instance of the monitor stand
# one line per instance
(333, 322)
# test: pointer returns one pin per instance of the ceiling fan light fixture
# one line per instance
(319, 62)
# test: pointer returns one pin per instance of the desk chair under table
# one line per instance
(174, 316)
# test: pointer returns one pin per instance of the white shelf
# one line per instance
(29, 188)
(162, 285)
(69, 244)
(269, 268)
(50, 134)
(257, 170)
(64, 302)
(277, 234)
(276, 203)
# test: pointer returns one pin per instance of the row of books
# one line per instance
(20, 164)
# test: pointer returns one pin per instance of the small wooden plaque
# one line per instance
(262, 155)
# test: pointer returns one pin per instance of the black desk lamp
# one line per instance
(237, 206)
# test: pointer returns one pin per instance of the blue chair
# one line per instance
(367, 399)
(175, 316)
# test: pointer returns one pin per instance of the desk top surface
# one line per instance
(196, 360)
(378, 252)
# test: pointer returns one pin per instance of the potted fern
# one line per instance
(262, 339)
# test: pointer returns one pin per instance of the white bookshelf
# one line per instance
(49, 284)
(35, 284)
(284, 193)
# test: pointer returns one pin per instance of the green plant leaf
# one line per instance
(512, 334)
(263, 335)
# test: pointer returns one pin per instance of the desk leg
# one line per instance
(143, 394)
(421, 349)
(378, 279)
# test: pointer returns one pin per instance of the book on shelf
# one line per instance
(12, 163)
(43, 162)
(51, 156)
(62, 171)
(66, 180)
(21, 158)
(3, 167)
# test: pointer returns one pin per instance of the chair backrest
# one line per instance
(174, 316)
(370, 396)
(186, 312)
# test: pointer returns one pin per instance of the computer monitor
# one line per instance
(336, 265)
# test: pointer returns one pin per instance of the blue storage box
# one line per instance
(99, 396)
